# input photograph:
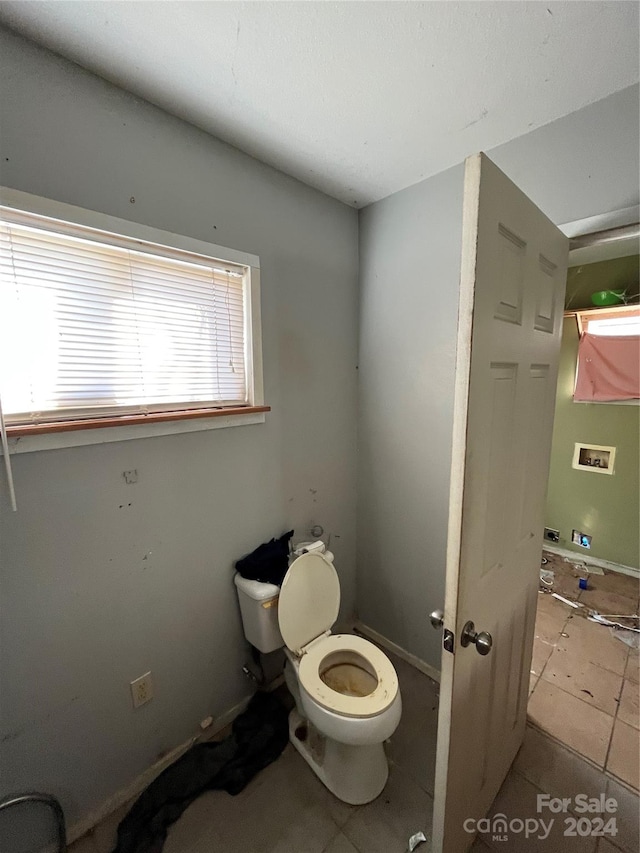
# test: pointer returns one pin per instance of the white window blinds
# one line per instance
(94, 324)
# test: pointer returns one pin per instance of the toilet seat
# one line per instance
(307, 609)
(309, 674)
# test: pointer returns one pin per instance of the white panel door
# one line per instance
(509, 325)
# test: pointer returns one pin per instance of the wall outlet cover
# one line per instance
(581, 539)
(142, 690)
(598, 458)
(551, 535)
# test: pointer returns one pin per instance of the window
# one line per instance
(608, 368)
(616, 322)
(97, 328)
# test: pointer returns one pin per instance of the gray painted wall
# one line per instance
(578, 166)
(83, 612)
(409, 261)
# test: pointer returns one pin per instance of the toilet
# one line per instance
(345, 688)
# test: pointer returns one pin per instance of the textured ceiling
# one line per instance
(359, 99)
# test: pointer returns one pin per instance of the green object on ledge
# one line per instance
(608, 297)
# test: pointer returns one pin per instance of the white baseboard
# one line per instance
(594, 561)
(414, 661)
(138, 785)
(278, 681)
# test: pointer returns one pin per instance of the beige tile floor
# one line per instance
(285, 809)
(545, 766)
(584, 681)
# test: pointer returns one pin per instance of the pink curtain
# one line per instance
(608, 368)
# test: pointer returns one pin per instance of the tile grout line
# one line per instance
(615, 716)
(570, 616)
(555, 646)
(555, 742)
(333, 838)
(564, 745)
(615, 846)
(602, 769)
(579, 698)
(607, 773)
(588, 704)
(544, 666)
(514, 772)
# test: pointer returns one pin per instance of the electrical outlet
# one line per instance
(551, 535)
(581, 539)
(142, 690)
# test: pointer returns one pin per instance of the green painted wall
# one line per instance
(606, 507)
(616, 274)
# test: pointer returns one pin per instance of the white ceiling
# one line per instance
(359, 99)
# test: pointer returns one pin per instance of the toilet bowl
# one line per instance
(346, 689)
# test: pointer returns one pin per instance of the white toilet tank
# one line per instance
(259, 611)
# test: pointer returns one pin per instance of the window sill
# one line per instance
(634, 402)
(34, 437)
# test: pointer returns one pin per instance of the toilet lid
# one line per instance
(309, 600)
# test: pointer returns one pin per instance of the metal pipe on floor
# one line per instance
(47, 800)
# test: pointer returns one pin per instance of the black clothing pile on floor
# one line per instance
(258, 737)
(268, 563)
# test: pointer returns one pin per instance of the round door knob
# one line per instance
(437, 619)
(482, 640)
(483, 643)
